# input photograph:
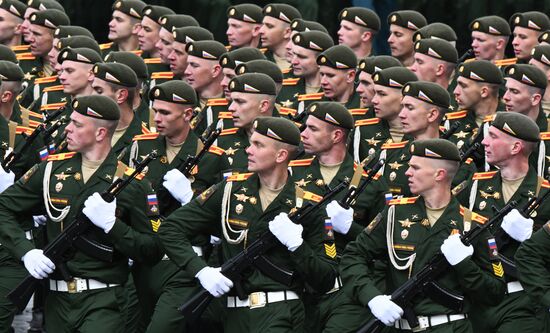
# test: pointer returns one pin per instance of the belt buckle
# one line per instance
(71, 286)
(423, 324)
(257, 300)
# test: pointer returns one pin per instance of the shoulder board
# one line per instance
(148, 136)
(475, 216)
(489, 118)
(25, 56)
(53, 88)
(545, 184)
(105, 46)
(358, 112)
(34, 123)
(365, 122)
(23, 129)
(162, 75)
(239, 177)
(310, 97)
(545, 136)
(484, 175)
(304, 162)
(395, 145)
(456, 115)
(402, 201)
(225, 115)
(145, 129)
(291, 82)
(287, 111)
(128, 172)
(229, 131)
(506, 62)
(137, 52)
(286, 70)
(52, 106)
(61, 157)
(217, 102)
(263, 49)
(469, 160)
(152, 61)
(216, 150)
(28, 112)
(19, 48)
(312, 196)
(46, 79)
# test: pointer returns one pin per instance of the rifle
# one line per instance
(454, 127)
(70, 238)
(467, 55)
(351, 196)
(253, 255)
(423, 280)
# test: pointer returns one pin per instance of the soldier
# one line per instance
(266, 67)
(409, 232)
(76, 70)
(254, 203)
(512, 138)
(490, 35)
(403, 24)
(11, 17)
(275, 32)
(166, 38)
(124, 26)
(90, 298)
(436, 30)
(358, 27)
(231, 59)
(296, 26)
(243, 26)
(540, 57)
(32, 7)
(527, 28)
(178, 56)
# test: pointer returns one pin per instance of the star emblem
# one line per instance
(346, 179)
(402, 157)
(241, 197)
(61, 176)
(28, 76)
(302, 182)
(461, 135)
(287, 103)
(406, 223)
(372, 141)
(395, 165)
(296, 94)
(230, 151)
(451, 107)
(489, 188)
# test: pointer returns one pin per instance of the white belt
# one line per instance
(77, 285)
(513, 287)
(260, 299)
(425, 322)
(197, 249)
(337, 285)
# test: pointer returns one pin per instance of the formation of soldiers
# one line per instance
(232, 158)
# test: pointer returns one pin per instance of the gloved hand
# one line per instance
(215, 240)
(214, 281)
(286, 231)
(340, 217)
(6, 179)
(100, 212)
(517, 226)
(178, 185)
(38, 265)
(39, 220)
(385, 310)
(454, 250)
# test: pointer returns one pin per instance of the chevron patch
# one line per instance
(134, 13)
(80, 57)
(250, 88)
(432, 53)
(341, 65)
(155, 224)
(283, 17)
(533, 25)
(545, 60)
(207, 55)
(474, 76)
(91, 112)
(331, 119)
(359, 21)
(526, 79)
(411, 25)
(110, 77)
(177, 98)
(272, 134)
(330, 250)
(508, 129)
(394, 83)
(424, 97)
(247, 18)
(49, 24)
(497, 269)
(494, 31)
(431, 153)
(314, 46)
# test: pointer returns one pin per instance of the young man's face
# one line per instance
(272, 32)
(75, 76)
(8, 25)
(244, 108)
(303, 61)
(386, 102)
(178, 58)
(517, 97)
(199, 72)
(240, 33)
(25, 26)
(262, 153)
(165, 45)
(424, 67)
(467, 93)
(365, 88)
(317, 137)
(40, 39)
(335, 82)
(524, 41)
(484, 45)
(148, 35)
(170, 118)
(350, 34)
(120, 26)
(400, 41)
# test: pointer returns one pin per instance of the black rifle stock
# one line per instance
(70, 237)
(351, 196)
(454, 127)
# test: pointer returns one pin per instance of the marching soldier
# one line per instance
(527, 28)
(231, 59)
(12, 13)
(124, 26)
(403, 24)
(436, 30)
(540, 57)
(148, 37)
(178, 56)
(358, 27)
(243, 26)
(33, 7)
(166, 37)
(490, 35)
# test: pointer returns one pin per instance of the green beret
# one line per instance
(173, 21)
(545, 37)
(253, 83)
(333, 113)
(96, 106)
(339, 57)
(438, 49)
(428, 92)
(517, 125)
(531, 20)
(280, 129)
(79, 54)
(439, 149)
(238, 56)
(133, 8)
(493, 25)
(301, 25)
(542, 54)
(14, 7)
(6, 53)
(206, 49)
(394, 77)
(266, 67)
(527, 74)
(436, 30)
(246, 12)
(45, 4)
(361, 16)
(155, 12)
(481, 71)
(77, 42)
(313, 40)
(281, 11)
(175, 91)
(191, 34)
(131, 60)
(63, 31)
(410, 19)
(116, 73)
(373, 64)
(49, 18)
(10, 71)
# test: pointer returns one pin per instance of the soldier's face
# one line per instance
(424, 67)
(467, 93)
(53, 53)
(484, 45)
(8, 25)
(171, 119)
(524, 41)
(244, 108)
(178, 58)
(386, 102)
(498, 146)
(25, 26)
(365, 89)
(164, 45)
(40, 39)
(350, 34)
(289, 45)
(273, 32)
(102, 87)
(416, 115)
(335, 82)
(148, 35)
(518, 97)
(240, 33)
(75, 77)
(400, 41)
(304, 62)
(81, 133)
(200, 73)
(421, 174)
(228, 74)
(120, 26)
(262, 153)
(318, 136)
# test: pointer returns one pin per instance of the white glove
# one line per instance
(39, 220)
(340, 217)
(215, 240)
(517, 226)
(178, 185)
(385, 310)
(286, 231)
(454, 250)
(38, 265)
(6, 179)
(100, 212)
(214, 281)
